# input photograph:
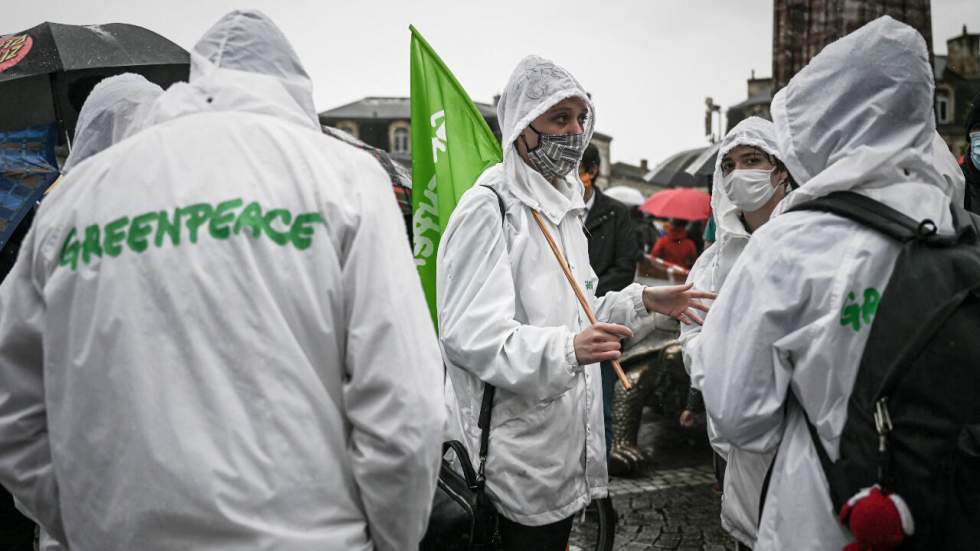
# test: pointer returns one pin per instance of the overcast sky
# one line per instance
(649, 64)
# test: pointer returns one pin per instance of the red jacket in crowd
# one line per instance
(676, 247)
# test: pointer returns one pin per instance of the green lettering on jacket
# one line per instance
(222, 220)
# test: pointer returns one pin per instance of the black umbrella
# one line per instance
(672, 171)
(47, 71)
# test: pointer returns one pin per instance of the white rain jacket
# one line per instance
(115, 109)
(859, 117)
(507, 316)
(949, 168)
(745, 470)
(245, 361)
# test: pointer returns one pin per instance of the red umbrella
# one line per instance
(683, 203)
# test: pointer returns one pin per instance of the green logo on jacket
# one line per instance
(186, 224)
(853, 314)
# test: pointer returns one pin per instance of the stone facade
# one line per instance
(957, 87)
(801, 28)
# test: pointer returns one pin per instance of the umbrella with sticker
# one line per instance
(46, 73)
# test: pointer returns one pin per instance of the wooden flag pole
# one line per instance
(578, 293)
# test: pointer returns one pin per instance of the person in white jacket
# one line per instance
(215, 338)
(749, 182)
(116, 108)
(859, 117)
(508, 317)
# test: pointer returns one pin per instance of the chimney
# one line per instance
(643, 165)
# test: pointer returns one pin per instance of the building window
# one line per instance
(348, 126)
(944, 107)
(400, 138)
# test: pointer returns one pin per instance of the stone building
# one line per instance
(957, 86)
(386, 123)
(801, 28)
(759, 96)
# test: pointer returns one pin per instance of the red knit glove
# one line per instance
(879, 522)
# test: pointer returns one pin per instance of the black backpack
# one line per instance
(913, 419)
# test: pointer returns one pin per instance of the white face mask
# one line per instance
(749, 190)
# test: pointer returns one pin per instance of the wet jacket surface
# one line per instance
(507, 316)
(215, 337)
(782, 339)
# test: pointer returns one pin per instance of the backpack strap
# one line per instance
(906, 335)
(871, 213)
(486, 407)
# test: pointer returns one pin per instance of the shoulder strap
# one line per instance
(871, 213)
(500, 201)
(486, 407)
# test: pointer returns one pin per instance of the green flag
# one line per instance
(451, 147)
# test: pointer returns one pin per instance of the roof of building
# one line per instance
(391, 108)
(765, 99)
(627, 171)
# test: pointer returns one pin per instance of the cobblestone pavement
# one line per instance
(673, 505)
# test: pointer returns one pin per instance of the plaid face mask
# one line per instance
(556, 155)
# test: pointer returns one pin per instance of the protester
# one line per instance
(749, 181)
(646, 233)
(508, 316)
(117, 107)
(675, 246)
(215, 337)
(612, 253)
(971, 161)
(859, 117)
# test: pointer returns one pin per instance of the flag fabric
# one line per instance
(451, 146)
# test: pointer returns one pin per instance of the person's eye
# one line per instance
(561, 119)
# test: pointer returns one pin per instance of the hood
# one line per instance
(535, 86)
(753, 131)
(243, 63)
(115, 109)
(860, 117)
(954, 183)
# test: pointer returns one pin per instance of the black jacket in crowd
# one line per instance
(971, 172)
(612, 244)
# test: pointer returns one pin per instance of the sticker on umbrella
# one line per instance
(13, 49)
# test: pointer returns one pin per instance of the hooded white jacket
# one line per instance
(115, 109)
(507, 316)
(859, 117)
(745, 470)
(246, 361)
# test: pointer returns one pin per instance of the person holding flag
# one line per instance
(508, 317)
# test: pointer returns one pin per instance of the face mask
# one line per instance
(749, 190)
(555, 155)
(975, 149)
